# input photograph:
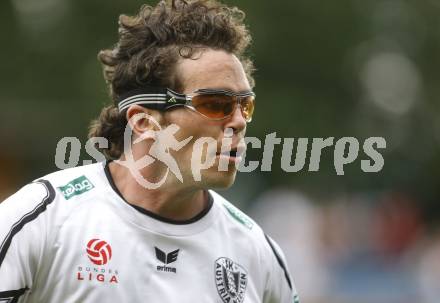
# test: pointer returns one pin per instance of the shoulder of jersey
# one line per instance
(52, 197)
(271, 249)
(237, 217)
(250, 230)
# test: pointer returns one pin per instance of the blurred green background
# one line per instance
(324, 69)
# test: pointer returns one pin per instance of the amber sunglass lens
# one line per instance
(247, 105)
(214, 106)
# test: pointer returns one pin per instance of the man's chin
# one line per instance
(219, 179)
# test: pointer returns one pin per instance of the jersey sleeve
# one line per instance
(280, 288)
(22, 238)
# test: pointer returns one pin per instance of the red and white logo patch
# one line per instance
(99, 251)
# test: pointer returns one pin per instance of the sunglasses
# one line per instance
(210, 103)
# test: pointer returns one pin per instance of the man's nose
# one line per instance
(236, 121)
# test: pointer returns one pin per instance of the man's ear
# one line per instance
(142, 119)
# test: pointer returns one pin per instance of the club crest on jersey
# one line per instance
(76, 187)
(231, 280)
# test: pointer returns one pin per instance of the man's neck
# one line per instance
(167, 201)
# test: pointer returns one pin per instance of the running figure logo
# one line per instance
(164, 140)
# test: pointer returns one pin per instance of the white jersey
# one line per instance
(71, 237)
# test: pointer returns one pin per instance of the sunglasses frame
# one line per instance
(186, 100)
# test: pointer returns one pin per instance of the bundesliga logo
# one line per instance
(99, 252)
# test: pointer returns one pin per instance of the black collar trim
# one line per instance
(153, 215)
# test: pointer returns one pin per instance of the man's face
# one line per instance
(212, 70)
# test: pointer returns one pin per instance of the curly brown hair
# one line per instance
(150, 44)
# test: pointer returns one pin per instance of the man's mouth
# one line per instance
(233, 153)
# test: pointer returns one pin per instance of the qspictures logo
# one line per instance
(99, 253)
(208, 151)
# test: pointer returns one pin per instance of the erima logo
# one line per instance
(76, 187)
(166, 258)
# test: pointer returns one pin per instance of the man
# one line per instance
(97, 233)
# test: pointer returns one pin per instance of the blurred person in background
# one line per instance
(352, 248)
(292, 219)
(94, 233)
(428, 269)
